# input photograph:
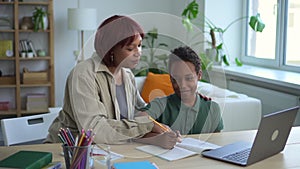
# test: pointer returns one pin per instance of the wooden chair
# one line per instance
(28, 129)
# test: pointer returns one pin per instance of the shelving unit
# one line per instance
(16, 93)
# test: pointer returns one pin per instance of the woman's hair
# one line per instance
(185, 54)
(115, 30)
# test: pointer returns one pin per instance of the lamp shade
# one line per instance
(82, 18)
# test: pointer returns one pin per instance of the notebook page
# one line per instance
(170, 155)
(196, 145)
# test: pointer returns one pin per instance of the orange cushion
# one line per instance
(156, 85)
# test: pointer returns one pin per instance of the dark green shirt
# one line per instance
(203, 117)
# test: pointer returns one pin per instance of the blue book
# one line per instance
(135, 165)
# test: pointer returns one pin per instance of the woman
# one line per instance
(100, 92)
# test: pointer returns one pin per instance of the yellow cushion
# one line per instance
(156, 85)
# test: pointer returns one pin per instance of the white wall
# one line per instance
(66, 41)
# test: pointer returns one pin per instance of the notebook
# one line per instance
(270, 139)
(188, 147)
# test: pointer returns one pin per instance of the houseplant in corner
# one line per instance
(191, 13)
(40, 19)
(152, 60)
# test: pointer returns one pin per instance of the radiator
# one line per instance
(272, 100)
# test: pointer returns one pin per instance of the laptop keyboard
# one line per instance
(240, 156)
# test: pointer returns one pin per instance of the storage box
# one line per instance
(4, 105)
(35, 77)
(7, 80)
(37, 102)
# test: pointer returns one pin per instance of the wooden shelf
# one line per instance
(33, 3)
(8, 112)
(36, 85)
(16, 93)
(7, 58)
(7, 30)
(25, 112)
(7, 86)
(6, 3)
(37, 58)
(31, 31)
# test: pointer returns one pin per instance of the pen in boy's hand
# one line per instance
(160, 125)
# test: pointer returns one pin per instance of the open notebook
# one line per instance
(188, 147)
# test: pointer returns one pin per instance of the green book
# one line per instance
(27, 160)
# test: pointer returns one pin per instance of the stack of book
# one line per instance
(5, 23)
(27, 46)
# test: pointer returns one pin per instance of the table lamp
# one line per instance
(82, 19)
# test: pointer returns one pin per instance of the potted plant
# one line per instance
(191, 13)
(40, 19)
(30, 53)
(23, 53)
(152, 61)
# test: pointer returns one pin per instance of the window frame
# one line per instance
(281, 35)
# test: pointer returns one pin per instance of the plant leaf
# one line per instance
(143, 58)
(153, 33)
(220, 47)
(187, 24)
(225, 60)
(238, 62)
(163, 44)
(162, 57)
(191, 11)
(256, 23)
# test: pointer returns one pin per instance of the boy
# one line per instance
(186, 110)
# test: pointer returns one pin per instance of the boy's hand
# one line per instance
(179, 137)
(158, 129)
(166, 140)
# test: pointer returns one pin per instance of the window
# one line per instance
(277, 46)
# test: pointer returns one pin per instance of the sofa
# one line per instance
(239, 111)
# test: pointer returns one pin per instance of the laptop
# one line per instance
(270, 139)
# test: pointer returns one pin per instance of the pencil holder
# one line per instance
(78, 157)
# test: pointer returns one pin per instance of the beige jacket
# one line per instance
(90, 103)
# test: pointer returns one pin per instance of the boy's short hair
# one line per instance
(186, 54)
